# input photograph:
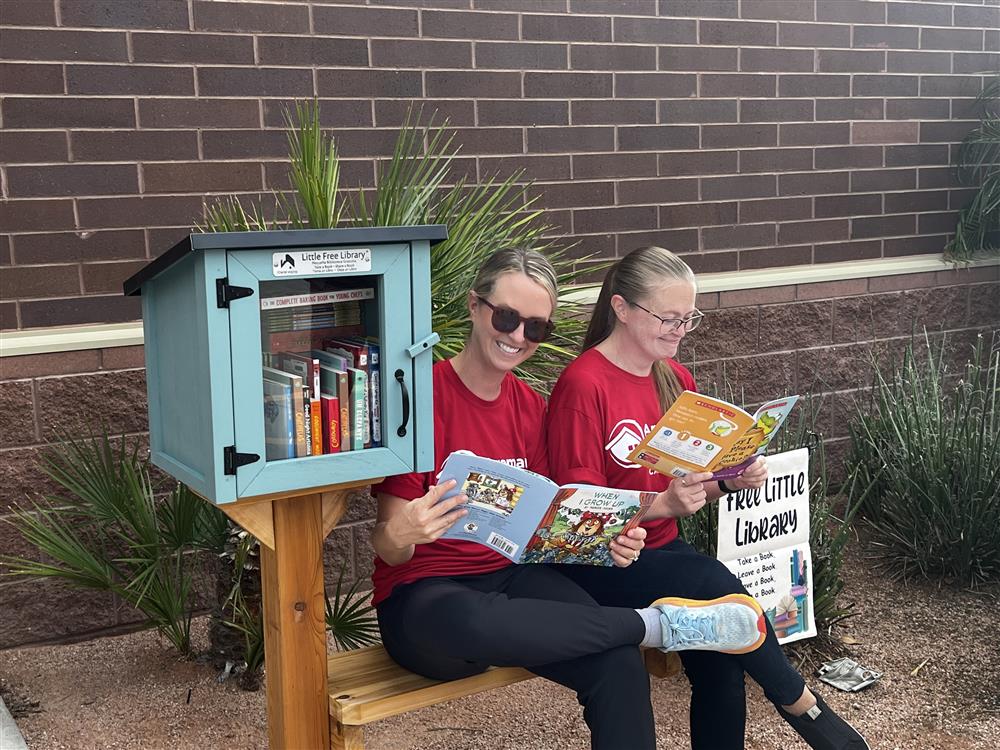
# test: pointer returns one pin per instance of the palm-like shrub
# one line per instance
(110, 531)
(978, 228)
(925, 462)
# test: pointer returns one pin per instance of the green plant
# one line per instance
(350, 617)
(978, 228)
(237, 628)
(925, 447)
(415, 186)
(828, 534)
(110, 532)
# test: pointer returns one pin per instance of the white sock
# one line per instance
(654, 632)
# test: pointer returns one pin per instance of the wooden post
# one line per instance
(291, 529)
(295, 627)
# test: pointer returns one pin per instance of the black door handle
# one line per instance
(401, 431)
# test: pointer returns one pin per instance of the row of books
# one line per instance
(324, 400)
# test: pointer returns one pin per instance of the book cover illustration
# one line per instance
(580, 524)
(528, 518)
(279, 421)
(702, 433)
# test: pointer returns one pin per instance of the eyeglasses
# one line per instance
(675, 324)
(506, 320)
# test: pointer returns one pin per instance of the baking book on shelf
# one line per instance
(702, 433)
(528, 518)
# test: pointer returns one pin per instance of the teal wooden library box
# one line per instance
(288, 360)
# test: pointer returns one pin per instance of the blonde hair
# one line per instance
(531, 263)
(634, 277)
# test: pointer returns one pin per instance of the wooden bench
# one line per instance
(366, 685)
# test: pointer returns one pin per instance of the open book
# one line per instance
(528, 518)
(701, 433)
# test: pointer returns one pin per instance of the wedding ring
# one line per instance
(635, 556)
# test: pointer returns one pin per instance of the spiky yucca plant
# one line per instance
(415, 186)
(978, 228)
(926, 454)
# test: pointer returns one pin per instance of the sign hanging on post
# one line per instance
(764, 541)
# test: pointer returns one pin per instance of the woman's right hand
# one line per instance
(684, 497)
(426, 518)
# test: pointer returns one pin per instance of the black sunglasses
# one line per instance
(506, 320)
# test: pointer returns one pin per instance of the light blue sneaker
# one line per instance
(732, 624)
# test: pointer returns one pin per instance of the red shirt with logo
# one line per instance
(597, 414)
(510, 428)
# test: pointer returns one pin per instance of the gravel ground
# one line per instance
(938, 649)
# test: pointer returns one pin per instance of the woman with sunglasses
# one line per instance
(602, 405)
(449, 608)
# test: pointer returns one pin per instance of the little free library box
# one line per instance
(285, 360)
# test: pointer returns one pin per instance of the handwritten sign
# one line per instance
(764, 541)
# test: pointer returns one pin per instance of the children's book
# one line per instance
(279, 421)
(528, 518)
(702, 433)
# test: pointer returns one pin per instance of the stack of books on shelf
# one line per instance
(321, 382)
(299, 322)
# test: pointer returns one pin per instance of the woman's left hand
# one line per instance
(752, 477)
(625, 548)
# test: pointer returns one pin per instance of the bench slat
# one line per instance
(366, 685)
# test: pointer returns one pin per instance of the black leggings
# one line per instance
(528, 616)
(718, 695)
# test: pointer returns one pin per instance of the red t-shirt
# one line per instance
(597, 414)
(510, 428)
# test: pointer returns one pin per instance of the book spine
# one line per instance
(331, 424)
(357, 409)
(299, 410)
(301, 300)
(316, 415)
(307, 420)
(375, 382)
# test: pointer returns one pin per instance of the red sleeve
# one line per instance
(407, 486)
(538, 459)
(575, 437)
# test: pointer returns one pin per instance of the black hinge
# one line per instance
(231, 460)
(224, 293)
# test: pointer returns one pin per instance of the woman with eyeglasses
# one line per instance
(451, 608)
(601, 407)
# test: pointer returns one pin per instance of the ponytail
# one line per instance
(633, 277)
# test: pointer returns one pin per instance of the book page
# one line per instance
(582, 521)
(505, 505)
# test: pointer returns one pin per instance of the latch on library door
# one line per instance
(231, 460)
(226, 293)
(424, 345)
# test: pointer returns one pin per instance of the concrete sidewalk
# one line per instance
(10, 737)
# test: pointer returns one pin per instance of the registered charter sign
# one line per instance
(317, 262)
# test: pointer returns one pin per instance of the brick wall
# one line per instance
(743, 134)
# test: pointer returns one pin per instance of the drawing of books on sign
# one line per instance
(790, 614)
(701, 433)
